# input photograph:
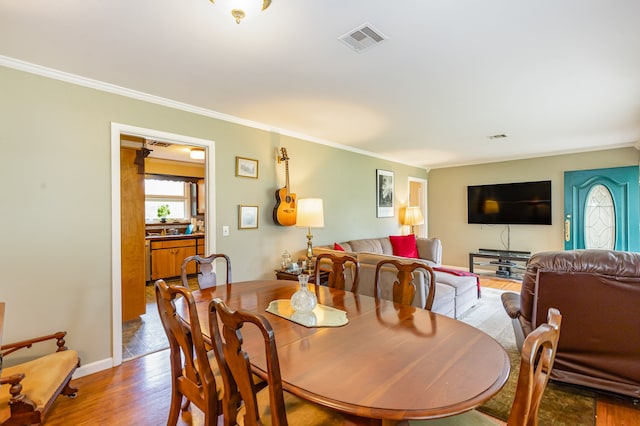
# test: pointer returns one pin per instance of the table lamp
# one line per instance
(412, 217)
(310, 214)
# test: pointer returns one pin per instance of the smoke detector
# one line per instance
(362, 38)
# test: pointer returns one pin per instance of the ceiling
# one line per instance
(553, 76)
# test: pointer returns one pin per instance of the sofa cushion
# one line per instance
(430, 248)
(374, 258)
(460, 282)
(338, 247)
(404, 245)
(370, 245)
(444, 302)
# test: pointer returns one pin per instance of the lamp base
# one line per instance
(309, 252)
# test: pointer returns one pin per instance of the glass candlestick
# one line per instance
(303, 300)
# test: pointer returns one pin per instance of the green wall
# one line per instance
(56, 198)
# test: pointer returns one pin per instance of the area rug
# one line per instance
(561, 405)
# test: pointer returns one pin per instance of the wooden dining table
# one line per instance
(390, 362)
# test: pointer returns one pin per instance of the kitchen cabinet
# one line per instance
(168, 253)
(200, 247)
(201, 197)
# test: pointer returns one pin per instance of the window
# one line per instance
(173, 193)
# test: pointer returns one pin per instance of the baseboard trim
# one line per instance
(94, 367)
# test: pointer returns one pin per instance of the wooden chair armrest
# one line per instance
(18, 402)
(12, 347)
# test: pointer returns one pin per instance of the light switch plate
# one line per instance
(225, 231)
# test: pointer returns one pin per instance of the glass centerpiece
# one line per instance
(303, 300)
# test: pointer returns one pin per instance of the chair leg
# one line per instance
(69, 390)
(174, 410)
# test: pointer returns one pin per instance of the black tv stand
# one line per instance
(509, 263)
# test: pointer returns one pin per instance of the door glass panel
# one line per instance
(599, 219)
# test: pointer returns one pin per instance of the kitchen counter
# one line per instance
(174, 237)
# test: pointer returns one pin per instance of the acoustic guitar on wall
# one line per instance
(284, 213)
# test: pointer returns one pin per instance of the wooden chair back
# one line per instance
(192, 376)
(337, 273)
(537, 357)
(404, 287)
(206, 270)
(235, 367)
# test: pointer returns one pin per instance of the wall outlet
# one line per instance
(225, 231)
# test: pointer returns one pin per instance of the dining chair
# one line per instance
(404, 288)
(194, 373)
(271, 405)
(337, 273)
(206, 271)
(536, 361)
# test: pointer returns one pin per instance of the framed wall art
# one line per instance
(384, 193)
(246, 167)
(247, 217)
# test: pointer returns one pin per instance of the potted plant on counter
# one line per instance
(163, 212)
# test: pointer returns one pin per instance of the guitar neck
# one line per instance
(286, 168)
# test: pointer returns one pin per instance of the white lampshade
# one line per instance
(413, 216)
(310, 213)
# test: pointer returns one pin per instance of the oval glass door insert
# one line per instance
(599, 219)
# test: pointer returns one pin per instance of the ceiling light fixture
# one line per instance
(196, 154)
(240, 8)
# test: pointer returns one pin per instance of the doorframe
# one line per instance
(116, 256)
(423, 202)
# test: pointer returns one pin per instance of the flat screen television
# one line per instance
(521, 203)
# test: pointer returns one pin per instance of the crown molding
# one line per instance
(146, 97)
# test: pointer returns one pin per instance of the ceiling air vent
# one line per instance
(362, 38)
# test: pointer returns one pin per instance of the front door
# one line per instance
(601, 209)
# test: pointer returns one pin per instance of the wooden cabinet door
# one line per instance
(180, 255)
(166, 262)
(132, 235)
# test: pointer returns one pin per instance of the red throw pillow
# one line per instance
(338, 247)
(404, 245)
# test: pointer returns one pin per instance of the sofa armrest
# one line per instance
(430, 249)
(511, 303)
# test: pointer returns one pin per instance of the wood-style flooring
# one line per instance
(138, 393)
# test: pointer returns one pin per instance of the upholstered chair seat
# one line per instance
(42, 379)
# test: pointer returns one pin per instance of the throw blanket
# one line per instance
(459, 273)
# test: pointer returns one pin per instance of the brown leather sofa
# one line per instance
(598, 294)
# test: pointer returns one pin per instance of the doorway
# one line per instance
(601, 209)
(418, 197)
(117, 130)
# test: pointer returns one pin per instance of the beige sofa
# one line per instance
(454, 293)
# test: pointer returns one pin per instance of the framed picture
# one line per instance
(248, 217)
(384, 193)
(246, 167)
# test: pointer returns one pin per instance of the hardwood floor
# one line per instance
(138, 393)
